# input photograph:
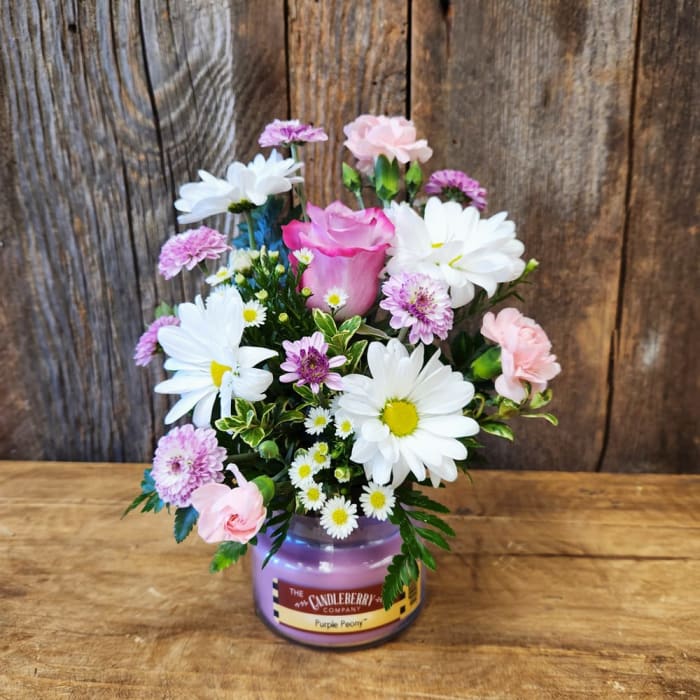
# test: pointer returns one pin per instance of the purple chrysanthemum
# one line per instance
(190, 248)
(147, 346)
(456, 185)
(307, 363)
(285, 133)
(418, 302)
(185, 459)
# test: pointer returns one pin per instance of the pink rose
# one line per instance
(349, 251)
(525, 353)
(395, 137)
(229, 514)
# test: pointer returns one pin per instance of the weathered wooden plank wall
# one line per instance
(580, 117)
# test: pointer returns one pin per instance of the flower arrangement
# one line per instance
(340, 358)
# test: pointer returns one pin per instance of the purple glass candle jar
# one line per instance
(324, 592)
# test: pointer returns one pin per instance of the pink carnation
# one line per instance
(369, 136)
(525, 353)
(456, 185)
(185, 459)
(147, 346)
(285, 133)
(229, 514)
(185, 250)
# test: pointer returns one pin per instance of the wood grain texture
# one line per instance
(533, 100)
(559, 586)
(111, 107)
(654, 412)
(357, 66)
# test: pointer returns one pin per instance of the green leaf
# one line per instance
(420, 500)
(135, 503)
(434, 537)
(227, 553)
(325, 323)
(304, 392)
(291, 416)
(354, 354)
(351, 325)
(364, 329)
(499, 429)
(185, 518)
(432, 520)
(164, 309)
(549, 417)
(253, 436)
(279, 536)
(462, 349)
(541, 399)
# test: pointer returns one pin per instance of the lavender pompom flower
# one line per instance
(458, 186)
(418, 302)
(307, 363)
(185, 459)
(285, 133)
(147, 346)
(185, 250)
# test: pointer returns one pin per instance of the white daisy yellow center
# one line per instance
(305, 471)
(377, 499)
(401, 417)
(320, 421)
(339, 516)
(319, 458)
(250, 315)
(313, 494)
(217, 372)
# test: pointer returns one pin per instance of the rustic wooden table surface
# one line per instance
(560, 585)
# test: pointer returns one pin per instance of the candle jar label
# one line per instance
(339, 611)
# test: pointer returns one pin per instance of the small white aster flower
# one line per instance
(339, 517)
(254, 314)
(313, 497)
(344, 426)
(377, 501)
(336, 298)
(317, 421)
(304, 255)
(221, 275)
(319, 457)
(301, 471)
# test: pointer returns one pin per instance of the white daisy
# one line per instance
(312, 497)
(245, 186)
(317, 420)
(343, 425)
(456, 246)
(254, 314)
(304, 255)
(338, 517)
(204, 350)
(318, 454)
(302, 470)
(377, 501)
(221, 275)
(336, 298)
(407, 416)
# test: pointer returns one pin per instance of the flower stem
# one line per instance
(360, 201)
(299, 187)
(251, 229)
